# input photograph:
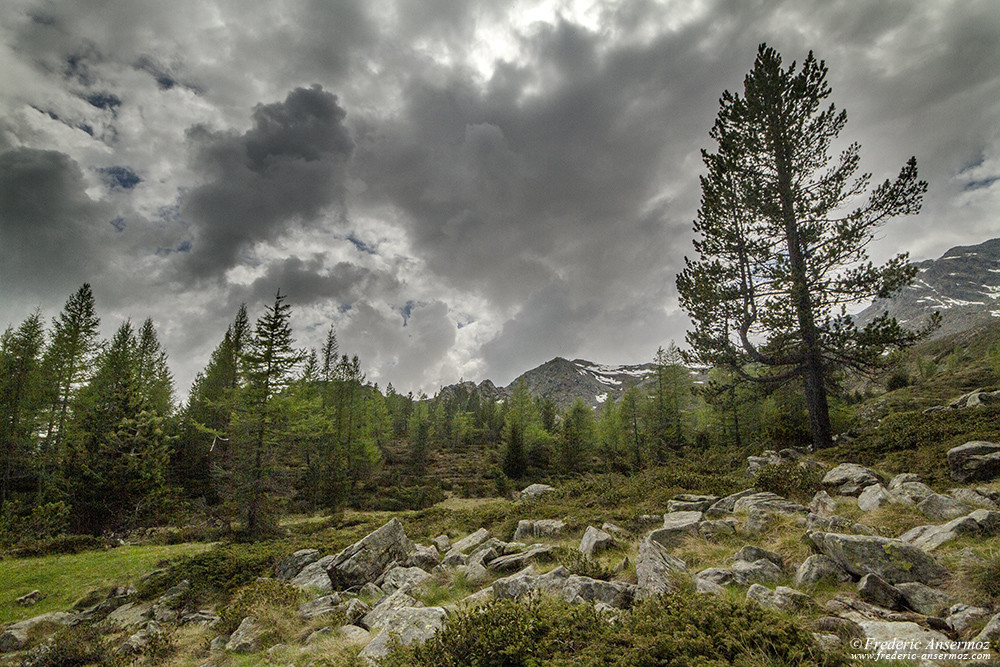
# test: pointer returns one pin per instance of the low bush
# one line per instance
(257, 599)
(790, 480)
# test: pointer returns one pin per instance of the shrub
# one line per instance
(790, 480)
(255, 600)
(982, 577)
(897, 380)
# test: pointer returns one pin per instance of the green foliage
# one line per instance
(897, 380)
(43, 522)
(219, 571)
(255, 598)
(982, 577)
(677, 630)
(790, 480)
(83, 644)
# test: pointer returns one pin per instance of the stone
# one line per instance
(911, 493)
(903, 477)
(247, 637)
(292, 564)
(140, 639)
(772, 502)
(657, 570)
(687, 502)
(202, 617)
(218, 644)
(454, 558)
(321, 606)
(841, 627)
(725, 505)
(372, 592)
(403, 578)
(751, 553)
(781, 598)
(990, 633)
(849, 479)
(823, 504)
(594, 541)
(471, 541)
(408, 625)
(131, 614)
(516, 585)
(977, 460)
(424, 557)
(923, 599)
(931, 537)
(15, 637)
(757, 521)
(874, 589)
(375, 618)
(901, 631)
(29, 599)
(355, 610)
(677, 526)
(443, 543)
(961, 617)
(874, 497)
(354, 635)
(937, 507)
(761, 570)
(974, 498)
(321, 634)
(817, 568)
(534, 491)
(612, 529)
(544, 528)
(487, 551)
(313, 577)
(476, 574)
(514, 562)
(713, 529)
(893, 560)
(825, 642)
(367, 559)
(716, 575)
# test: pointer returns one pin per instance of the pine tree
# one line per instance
(521, 414)
(633, 426)
(156, 385)
(783, 230)
(577, 436)
(20, 397)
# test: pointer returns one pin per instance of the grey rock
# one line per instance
(611, 528)
(516, 585)
(292, 564)
(822, 504)
(443, 543)
(247, 637)
(937, 507)
(657, 569)
(487, 551)
(817, 568)
(454, 558)
(923, 599)
(686, 502)
(716, 575)
(534, 491)
(849, 479)
(29, 599)
(202, 617)
(726, 505)
(912, 492)
(131, 614)
(476, 574)
(15, 637)
(372, 591)
(931, 537)
(717, 528)
(974, 498)
(141, 638)
(544, 528)
(376, 618)
(903, 477)
(424, 557)
(677, 526)
(321, 606)
(961, 617)
(749, 572)
(893, 560)
(470, 541)
(826, 642)
(874, 497)
(841, 627)
(367, 559)
(876, 590)
(903, 631)
(990, 633)
(782, 598)
(757, 521)
(594, 541)
(323, 633)
(404, 579)
(974, 461)
(771, 502)
(355, 610)
(514, 562)
(218, 643)
(354, 635)
(752, 553)
(408, 625)
(314, 577)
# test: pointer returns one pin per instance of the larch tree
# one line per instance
(783, 231)
(20, 393)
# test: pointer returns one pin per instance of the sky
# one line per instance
(464, 190)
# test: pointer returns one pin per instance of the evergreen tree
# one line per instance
(783, 229)
(610, 438)
(632, 426)
(156, 385)
(420, 435)
(577, 436)
(20, 395)
(520, 417)
(670, 391)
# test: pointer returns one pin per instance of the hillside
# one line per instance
(963, 285)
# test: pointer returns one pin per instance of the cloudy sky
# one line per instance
(464, 189)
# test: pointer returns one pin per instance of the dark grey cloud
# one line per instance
(284, 172)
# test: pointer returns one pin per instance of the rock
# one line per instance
(368, 558)
(514, 562)
(912, 492)
(757, 521)
(903, 477)
(900, 631)
(545, 528)
(612, 529)
(576, 589)
(247, 637)
(974, 461)
(836, 524)
(874, 497)
(817, 568)
(202, 617)
(15, 637)
(354, 635)
(323, 633)
(218, 644)
(990, 633)
(716, 575)
(516, 585)
(687, 502)
(782, 598)
(893, 560)
(707, 587)
(711, 530)
(726, 505)
(470, 541)
(487, 551)
(841, 627)
(140, 639)
(443, 543)
(751, 553)
(476, 574)
(974, 498)
(825, 642)
(454, 558)
(424, 557)
(403, 578)
(131, 614)
(961, 617)
(771, 502)
(292, 564)
(923, 599)
(874, 589)
(355, 610)
(849, 479)
(314, 577)
(676, 526)
(594, 541)
(29, 599)
(931, 537)
(372, 591)
(823, 504)
(657, 569)
(375, 618)
(761, 570)
(321, 606)
(408, 625)
(937, 507)
(534, 491)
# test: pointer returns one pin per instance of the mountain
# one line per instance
(562, 381)
(963, 284)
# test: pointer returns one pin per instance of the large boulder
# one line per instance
(376, 617)
(924, 599)
(849, 479)
(424, 557)
(822, 504)
(595, 540)
(292, 564)
(937, 507)
(974, 498)
(893, 560)
(876, 590)
(406, 626)
(314, 577)
(761, 570)
(782, 598)
(931, 537)
(657, 569)
(365, 560)
(534, 491)
(247, 637)
(817, 568)
(976, 460)
(769, 502)
(16, 636)
(403, 579)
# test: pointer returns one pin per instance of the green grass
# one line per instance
(65, 578)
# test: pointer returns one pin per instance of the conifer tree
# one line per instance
(783, 229)
(20, 397)
(577, 436)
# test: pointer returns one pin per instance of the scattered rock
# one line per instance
(849, 479)
(761, 570)
(750, 553)
(292, 564)
(912, 492)
(874, 497)
(355, 610)
(893, 560)
(727, 504)
(408, 625)
(131, 614)
(923, 599)
(772, 502)
(822, 504)
(841, 627)
(901, 631)
(403, 578)
(611, 528)
(817, 568)
(15, 637)
(314, 577)
(676, 526)
(687, 502)
(140, 639)
(470, 541)
(974, 498)
(424, 557)
(990, 633)
(656, 568)
(976, 460)
(931, 537)
(514, 562)
(534, 491)
(321, 606)
(937, 507)
(901, 478)
(29, 599)
(247, 637)
(717, 528)
(757, 521)
(782, 598)
(961, 617)
(874, 589)
(366, 559)
(375, 618)
(594, 541)
(443, 543)
(545, 528)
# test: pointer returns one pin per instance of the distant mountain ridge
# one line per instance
(963, 284)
